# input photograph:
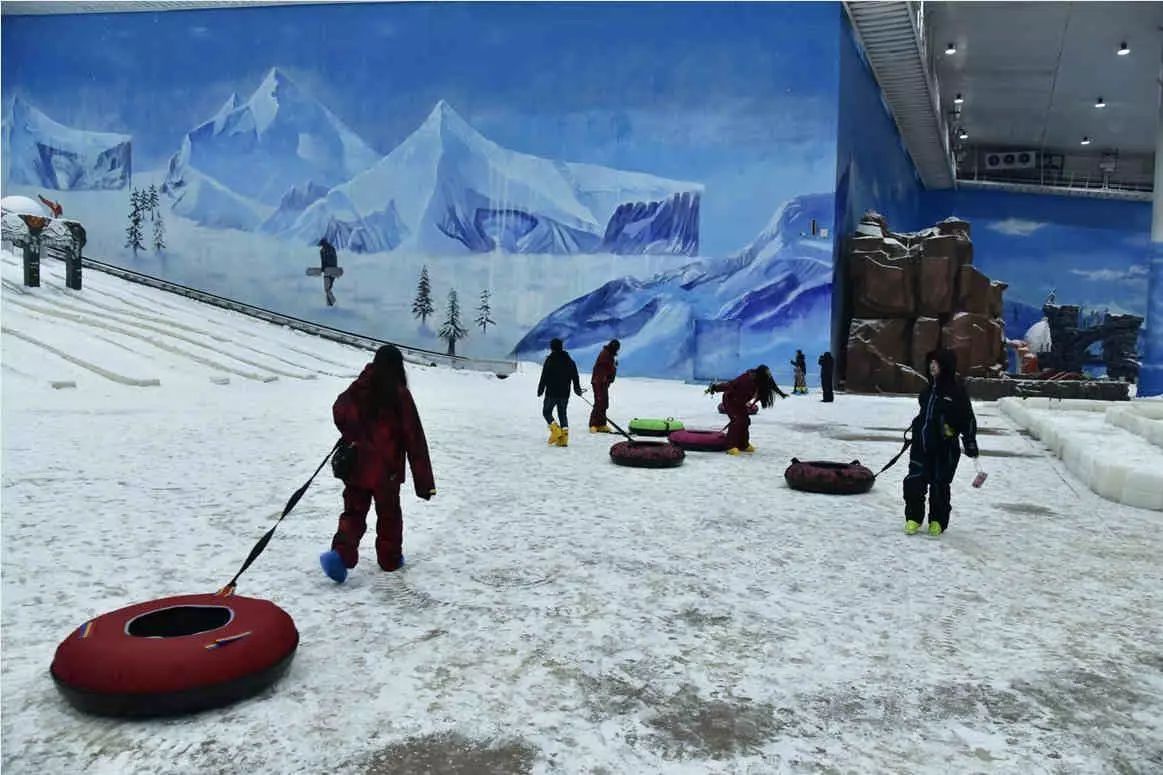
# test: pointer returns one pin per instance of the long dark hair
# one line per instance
(388, 378)
(765, 386)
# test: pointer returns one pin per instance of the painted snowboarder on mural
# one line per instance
(328, 267)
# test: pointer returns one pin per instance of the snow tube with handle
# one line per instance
(647, 454)
(751, 408)
(829, 478)
(654, 427)
(175, 655)
(700, 441)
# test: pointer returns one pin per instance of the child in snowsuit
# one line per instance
(800, 364)
(945, 414)
(605, 369)
(754, 385)
(827, 367)
(557, 373)
(377, 415)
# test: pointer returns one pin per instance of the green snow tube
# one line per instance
(653, 427)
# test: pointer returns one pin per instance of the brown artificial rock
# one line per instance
(973, 291)
(875, 347)
(971, 338)
(996, 298)
(926, 338)
(935, 286)
(882, 287)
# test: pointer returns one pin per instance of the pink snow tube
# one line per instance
(699, 441)
(751, 408)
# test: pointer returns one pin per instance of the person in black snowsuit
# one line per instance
(557, 373)
(945, 414)
(328, 260)
(827, 368)
(800, 365)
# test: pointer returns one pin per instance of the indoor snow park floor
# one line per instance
(557, 613)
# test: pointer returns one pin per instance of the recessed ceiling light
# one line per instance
(1085, 141)
(958, 100)
(1124, 49)
(952, 48)
(962, 135)
(1099, 103)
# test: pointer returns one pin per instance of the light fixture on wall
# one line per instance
(1124, 49)
(952, 48)
(1085, 141)
(958, 100)
(1099, 103)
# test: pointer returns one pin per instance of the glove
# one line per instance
(971, 448)
(427, 495)
(579, 392)
(540, 393)
(709, 391)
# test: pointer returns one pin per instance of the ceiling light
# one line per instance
(962, 135)
(952, 48)
(1124, 49)
(958, 100)
(1099, 103)
(1085, 141)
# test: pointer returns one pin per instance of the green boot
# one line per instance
(934, 528)
(911, 527)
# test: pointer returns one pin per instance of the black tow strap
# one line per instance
(228, 590)
(896, 457)
(610, 422)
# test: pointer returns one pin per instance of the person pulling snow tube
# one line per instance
(647, 454)
(654, 427)
(175, 655)
(699, 441)
(829, 478)
(751, 408)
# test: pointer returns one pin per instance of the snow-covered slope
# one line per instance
(447, 188)
(260, 148)
(777, 288)
(557, 614)
(41, 152)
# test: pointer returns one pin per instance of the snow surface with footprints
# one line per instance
(557, 613)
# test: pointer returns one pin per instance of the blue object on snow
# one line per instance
(333, 566)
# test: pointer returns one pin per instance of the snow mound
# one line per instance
(23, 205)
(41, 152)
(447, 188)
(206, 201)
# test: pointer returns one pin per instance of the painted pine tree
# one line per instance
(484, 311)
(159, 233)
(133, 233)
(422, 306)
(452, 331)
(151, 203)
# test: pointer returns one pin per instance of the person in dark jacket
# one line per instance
(605, 369)
(800, 365)
(827, 375)
(752, 386)
(945, 414)
(328, 260)
(557, 373)
(378, 415)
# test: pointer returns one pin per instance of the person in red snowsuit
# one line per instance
(377, 415)
(752, 386)
(605, 369)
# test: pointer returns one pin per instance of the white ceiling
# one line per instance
(1031, 72)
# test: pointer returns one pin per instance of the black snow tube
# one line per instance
(174, 656)
(647, 454)
(830, 478)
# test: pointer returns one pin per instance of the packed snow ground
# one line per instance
(557, 613)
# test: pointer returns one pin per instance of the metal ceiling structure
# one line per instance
(41, 7)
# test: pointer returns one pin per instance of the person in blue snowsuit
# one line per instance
(945, 414)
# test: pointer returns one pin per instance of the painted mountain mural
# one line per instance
(238, 166)
(447, 189)
(41, 152)
(773, 294)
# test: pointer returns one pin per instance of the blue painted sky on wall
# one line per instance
(741, 98)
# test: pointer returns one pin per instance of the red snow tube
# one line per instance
(175, 655)
(647, 454)
(699, 441)
(829, 478)
(751, 408)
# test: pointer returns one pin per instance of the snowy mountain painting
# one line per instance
(580, 171)
(40, 152)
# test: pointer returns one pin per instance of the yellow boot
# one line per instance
(599, 429)
(563, 439)
(733, 451)
(554, 434)
(750, 448)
